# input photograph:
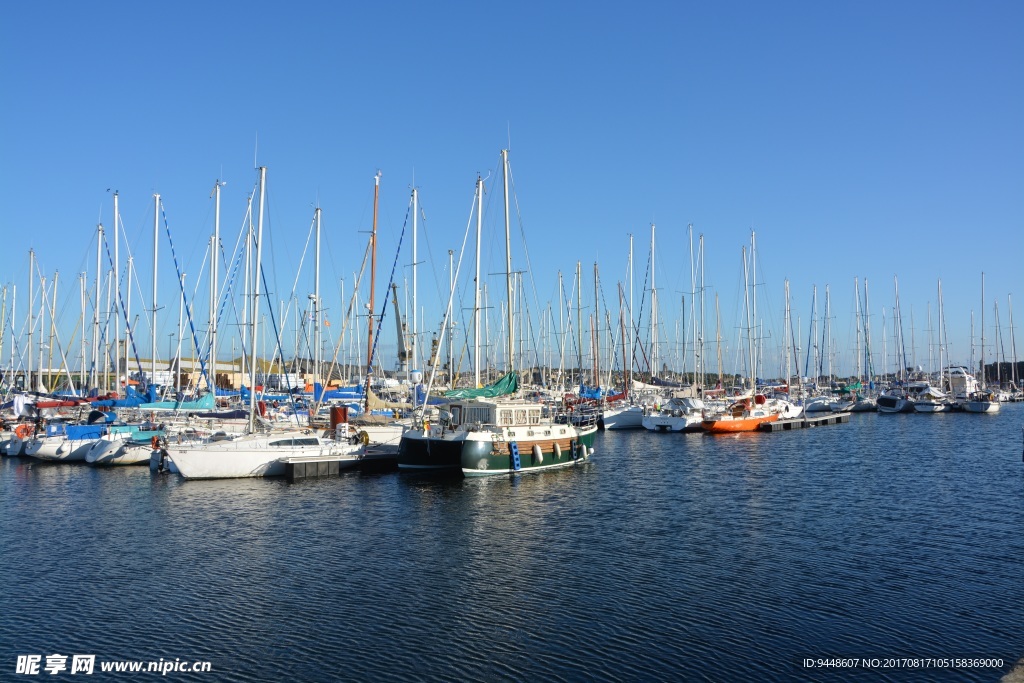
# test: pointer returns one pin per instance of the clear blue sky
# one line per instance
(857, 139)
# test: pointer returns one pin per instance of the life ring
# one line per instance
(22, 431)
(364, 438)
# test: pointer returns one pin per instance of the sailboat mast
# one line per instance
(597, 327)
(256, 302)
(416, 331)
(1013, 343)
(214, 268)
(579, 321)
(152, 321)
(476, 282)
(373, 275)
(984, 378)
(316, 303)
(654, 314)
(785, 341)
(96, 308)
(632, 326)
(129, 266)
(117, 303)
(508, 264)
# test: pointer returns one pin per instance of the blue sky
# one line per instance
(866, 140)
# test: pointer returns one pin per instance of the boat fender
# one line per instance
(558, 451)
(538, 454)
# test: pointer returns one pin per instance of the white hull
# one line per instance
(980, 406)
(932, 407)
(14, 447)
(623, 417)
(117, 449)
(254, 456)
(672, 423)
(58, 448)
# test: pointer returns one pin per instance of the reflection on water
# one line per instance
(668, 556)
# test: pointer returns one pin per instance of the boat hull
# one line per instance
(252, 457)
(58, 449)
(981, 406)
(731, 425)
(473, 454)
(628, 417)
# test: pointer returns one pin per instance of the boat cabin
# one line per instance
(472, 413)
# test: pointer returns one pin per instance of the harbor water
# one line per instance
(667, 557)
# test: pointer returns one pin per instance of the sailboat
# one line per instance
(258, 453)
(981, 400)
(747, 413)
(486, 431)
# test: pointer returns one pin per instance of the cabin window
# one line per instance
(308, 441)
(281, 443)
(506, 417)
(456, 412)
(535, 417)
(520, 416)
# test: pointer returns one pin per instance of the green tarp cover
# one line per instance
(508, 384)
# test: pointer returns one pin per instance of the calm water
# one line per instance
(668, 557)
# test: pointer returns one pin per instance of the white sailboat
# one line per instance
(257, 454)
(982, 400)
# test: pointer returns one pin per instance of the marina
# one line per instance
(683, 556)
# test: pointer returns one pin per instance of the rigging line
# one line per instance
(187, 307)
(447, 310)
(124, 310)
(352, 302)
(384, 308)
(522, 234)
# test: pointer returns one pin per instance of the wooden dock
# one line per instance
(297, 468)
(805, 422)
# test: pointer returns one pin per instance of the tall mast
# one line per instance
(1013, 344)
(786, 338)
(129, 267)
(476, 282)
(316, 304)
(42, 321)
(746, 305)
(415, 320)
(214, 284)
(579, 321)
(753, 305)
(632, 326)
(31, 321)
(373, 275)
(53, 332)
(868, 365)
(984, 377)
(508, 264)
(597, 328)
(117, 303)
(857, 324)
(96, 310)
(256, 302)
(654, 314)
(152, 322)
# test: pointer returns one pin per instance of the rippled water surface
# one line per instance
(668, 557)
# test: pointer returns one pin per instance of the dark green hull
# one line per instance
(472, 457)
